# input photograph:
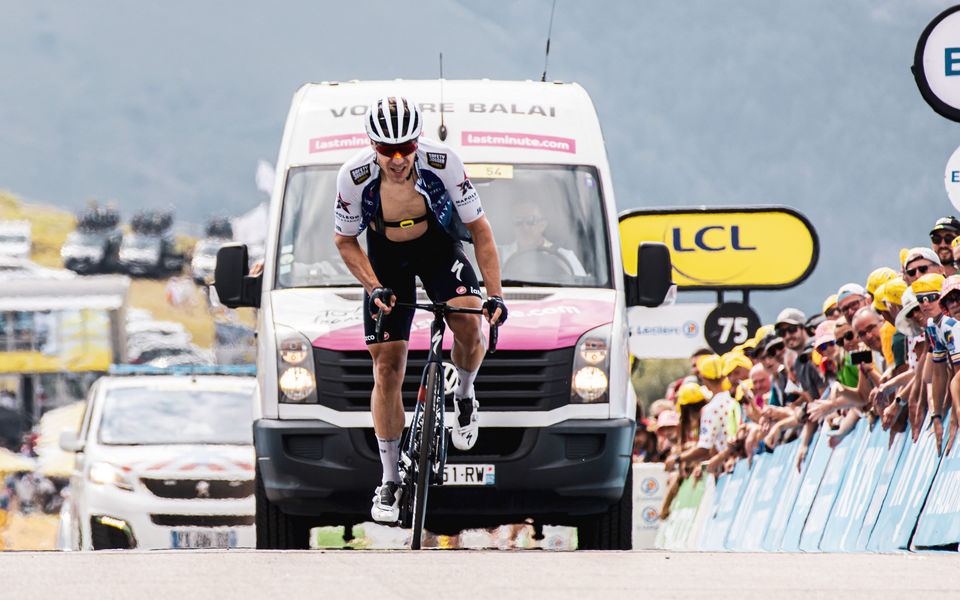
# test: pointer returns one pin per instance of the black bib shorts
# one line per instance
(434, 257)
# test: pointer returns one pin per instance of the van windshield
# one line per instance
(548, 220)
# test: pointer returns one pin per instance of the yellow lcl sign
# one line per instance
(741, 248)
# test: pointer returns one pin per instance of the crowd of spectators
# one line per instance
(886, 350)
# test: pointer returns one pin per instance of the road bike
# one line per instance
(423, 453)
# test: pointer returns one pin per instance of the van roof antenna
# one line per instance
(546, 56)
(442, 131)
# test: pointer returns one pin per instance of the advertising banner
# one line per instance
(939, 523)
(717, 248)
(906, 495)
(936, 64)
(675, 532)
(891, 458)
(846, 518)
(715, 529)
(818, 457)
(744, 521)
(649, 491)
(833, 478)
(782, 500)
(674, 331)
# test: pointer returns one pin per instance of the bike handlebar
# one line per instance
(438, 309)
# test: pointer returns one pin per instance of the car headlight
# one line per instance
(104, 473)
(295, 370)
(591, 366)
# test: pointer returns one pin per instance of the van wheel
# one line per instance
(277, 530)
(612, 530)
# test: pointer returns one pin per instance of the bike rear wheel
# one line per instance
(426, 457)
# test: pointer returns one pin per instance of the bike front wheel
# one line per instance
(426, 458)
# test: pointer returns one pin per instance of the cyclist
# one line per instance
(417, 204)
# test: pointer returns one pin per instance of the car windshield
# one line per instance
(12, 238)
(548, 221)
(80, 238)
(146, 416)
(141, 242)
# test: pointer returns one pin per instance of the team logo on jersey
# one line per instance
(341, 205)
(465, 185)
(461, 290)
(437, 160)
(360, 174)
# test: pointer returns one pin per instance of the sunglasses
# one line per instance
(393, 150)
(922, 269)
(529, 221)
(774, 350)
(831, 312)
(824, 346)
(848, 337)
(946, 238)
(788, 330)
(928, 297)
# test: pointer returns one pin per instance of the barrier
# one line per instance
(876, 491)
(649, 491)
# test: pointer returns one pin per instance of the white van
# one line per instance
(15, 239)
(556, 407)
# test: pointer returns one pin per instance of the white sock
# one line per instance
(390, 458)
(465, 386)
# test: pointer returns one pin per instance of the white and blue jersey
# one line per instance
(944, 338)
(441, 179)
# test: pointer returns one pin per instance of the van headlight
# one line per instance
(104, 473)
(295, 371)
(591, 366)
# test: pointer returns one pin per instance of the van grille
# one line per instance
(199, 488)
(508, 379)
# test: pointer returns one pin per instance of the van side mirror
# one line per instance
(69, 442)
(653, 280)
(234, 286)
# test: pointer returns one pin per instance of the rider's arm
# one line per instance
(356, 260)
(486, 251)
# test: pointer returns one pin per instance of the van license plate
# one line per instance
(202, 538)
(469, 475)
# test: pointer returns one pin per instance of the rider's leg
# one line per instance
(467, 354)
(386, 404)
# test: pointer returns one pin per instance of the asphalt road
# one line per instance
(398, 574)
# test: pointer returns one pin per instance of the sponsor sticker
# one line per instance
(339, 142)
(437, 160)
(518, 140)
(360, 174)
(461, 290)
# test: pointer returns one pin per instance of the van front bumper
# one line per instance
(557, 473)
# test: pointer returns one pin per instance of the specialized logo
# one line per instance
(450, 379)
(437, 160)
(360, 174)
(457, 268)
(342, 205)
(435, 341)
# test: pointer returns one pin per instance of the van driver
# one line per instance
(529, 226)
(414, 199)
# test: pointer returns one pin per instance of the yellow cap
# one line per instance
(879, 297)
(761, 333)
(710, 366)
(879, 276)
(733, 360)
(691, 393)
(931, 282)
(893, 290)
(903, 254)
(830, 301)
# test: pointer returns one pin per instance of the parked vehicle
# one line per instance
(556, 408)
(94, 246)
(149, 250)
(164, 459)
(15, 239)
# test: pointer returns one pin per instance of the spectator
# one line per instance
(830, 310)
(918, 262)
(944, 231)
(850, 298)
(668, 428)
(877, 278)
(790, 327)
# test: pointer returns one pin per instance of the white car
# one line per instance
(163, 461)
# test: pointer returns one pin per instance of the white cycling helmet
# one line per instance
(393, 120)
